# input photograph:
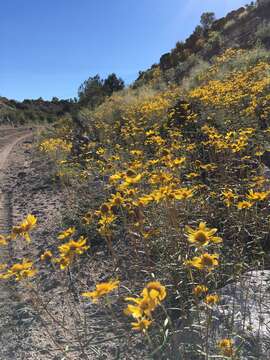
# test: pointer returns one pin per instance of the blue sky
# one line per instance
(49, 47)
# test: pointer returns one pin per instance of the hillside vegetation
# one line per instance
(92, 92)
(169, 174)
(243, 28)
(38, 111)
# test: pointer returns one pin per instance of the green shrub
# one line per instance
(263, 31)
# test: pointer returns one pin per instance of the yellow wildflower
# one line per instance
(116, 177)
(104, 209)
(226, 347)
(244, 205)
(24, 228)
(155, 291)
(202, 236)
(212, 299)
(229, 197)
(20, 270)
(46, 255)
(200, 289)
(144, 200)
(116, 200)
(136, 152)
(54, 145)
(74, 247)
(143, 306)
(66, 233)
(205, 262)
(151, 296)
(182, 194)
(131, 178)
(69, 250)
(257, 196)
(63, 261)
(102, 289)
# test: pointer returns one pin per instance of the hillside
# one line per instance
(242, 28)
(33, 111)
(142, 220)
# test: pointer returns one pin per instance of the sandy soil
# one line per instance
(28, 192)
(7, 143)
(9, 303)
(21, 192)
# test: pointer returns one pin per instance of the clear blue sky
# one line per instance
(49, 47)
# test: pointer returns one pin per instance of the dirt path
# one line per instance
(27, 187)
(7, 143)
(9, 138)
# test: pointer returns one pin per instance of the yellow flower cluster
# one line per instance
(244, 91)
(201, 237)
(53, 145)
(24, 228)
(69, 250)
(228, 56)
(235, 141)
(141, 308)
(19, 271)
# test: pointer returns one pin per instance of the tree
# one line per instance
(94, 90)
(91, 92)
(112, 84)
(207, 20)
(198, 30)
(165, 61)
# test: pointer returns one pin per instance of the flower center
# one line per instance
(207, 261)
(201, 237)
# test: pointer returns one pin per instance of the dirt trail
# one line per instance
(9, 138)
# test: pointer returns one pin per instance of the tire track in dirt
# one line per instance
(7, 143)
(8, 140)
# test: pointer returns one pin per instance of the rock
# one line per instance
(243, 314)
(245, 309)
